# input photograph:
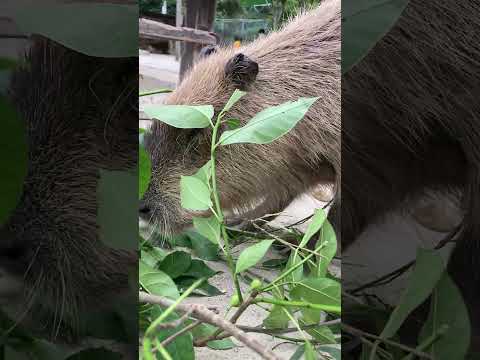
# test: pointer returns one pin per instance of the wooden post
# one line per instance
(199, 14)
(178, 23)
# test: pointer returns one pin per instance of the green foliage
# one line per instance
(270, 124)
(252, 255)
(181, 116)
(296, 289)
(108, 33)
(428, 270)
(447, 309)
(229, 8)
(365, 22)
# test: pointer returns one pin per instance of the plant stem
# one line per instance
(172, 307)
(428, 341)
(153, 92)
(328, 308)
(219, 212)
(354, 331)
(285, 274)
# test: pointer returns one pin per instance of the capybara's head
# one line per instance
(302, 60)
(81, 116)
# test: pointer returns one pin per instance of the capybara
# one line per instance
(301, 60)
(410, 125)
(81, 115)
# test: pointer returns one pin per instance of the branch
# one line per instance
(200, 312)
(363, 334)
(241, 309)
(155, 30)
(180, 332)
(276, 331)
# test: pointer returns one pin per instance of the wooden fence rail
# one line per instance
(154, 30)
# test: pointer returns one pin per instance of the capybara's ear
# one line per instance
(241, 70)
(207, 50)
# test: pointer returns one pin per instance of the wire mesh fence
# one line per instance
(244, 29)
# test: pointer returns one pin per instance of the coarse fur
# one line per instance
(301, 60)
(411, 124)
(81, 116)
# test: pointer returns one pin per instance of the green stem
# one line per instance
(228, 250)
(172, 307)
(328, 308)
(285, 274)
(428, 341)
(153, 92)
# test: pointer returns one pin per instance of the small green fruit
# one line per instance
(256, 284)
(235, 301)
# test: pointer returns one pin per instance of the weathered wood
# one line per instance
(153, 30)
(198, 14)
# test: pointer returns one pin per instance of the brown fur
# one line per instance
(302, 60)
(81, 115)
(410, 125)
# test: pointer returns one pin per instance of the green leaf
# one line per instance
(324, 335)
(314, 226)
(297, 355)
(153, 257)
(297, 274)
(13, 159)
(108, 33)
(447, 308)
(156, 282)
(204, 330)
(199, 269)
(205, 289)
(208, 227)
(223, 344)
(310, 353)
(202, 247)
(318, 291)
(327, 245)
(203, 174)
(182, 346)
(425, 276)
(182, 116)
(233, 124)
(276, 319)
(175, 263)
(117, 209)
(274, 263)
(364, 22)
(144, 170)
(269, 124)
(252, 255)
(194, 194)
(236, 96)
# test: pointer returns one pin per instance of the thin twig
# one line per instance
(279, 330)
(175, 323)
(241, 309)
(385, 279)
(181, 332)
(200, 312)
(354, 331)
